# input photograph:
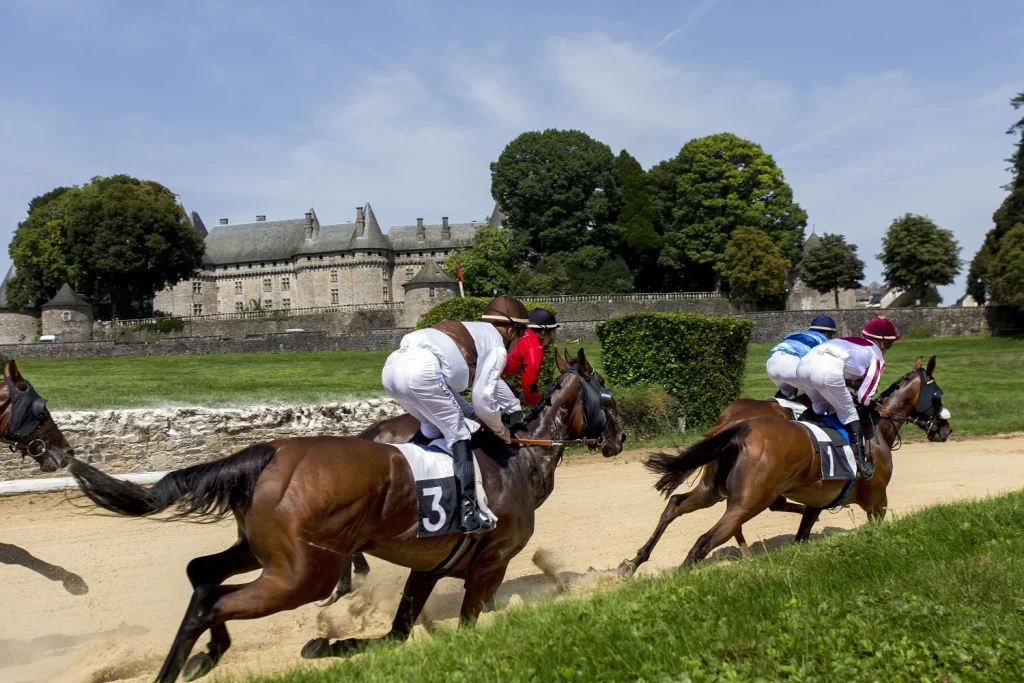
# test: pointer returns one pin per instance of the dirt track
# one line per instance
(600, 513)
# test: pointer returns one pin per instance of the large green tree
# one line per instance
(588, 270)
(116, 240)
(1008, 268)
(1009, 214)
(832, 265)
(639, 240)
(757, 269)
(557, 191)
(918, 254)
(715, 185)
(487, 265)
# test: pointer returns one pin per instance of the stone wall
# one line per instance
(19, 327)
(154, 440)
(944, 322)
(70, 323)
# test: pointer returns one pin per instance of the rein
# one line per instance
(592, 444)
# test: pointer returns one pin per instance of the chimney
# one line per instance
(223, 221)
(260, 219)
(309, 225)
(421, 233)
(360, 222)
(446, 232)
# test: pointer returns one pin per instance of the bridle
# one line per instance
(595, 399)
(926, 412)
(27, 412)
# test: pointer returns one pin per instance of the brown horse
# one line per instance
(26, 427)
(751, 463)
(305, 505)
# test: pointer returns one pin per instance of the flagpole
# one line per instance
(458, 274)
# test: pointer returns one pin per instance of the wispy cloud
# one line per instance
(702, 8)
(828, 132)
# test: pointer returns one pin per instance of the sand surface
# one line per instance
(600, 513)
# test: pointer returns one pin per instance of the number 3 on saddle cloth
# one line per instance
(434, 473)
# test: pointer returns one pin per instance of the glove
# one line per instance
(515, 421)
(504, 435)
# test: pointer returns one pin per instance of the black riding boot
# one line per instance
(782, 394)
(465, 489)
(866, 467)
(809, 415)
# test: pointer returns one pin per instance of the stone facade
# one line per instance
(428, 288)
(803, 298)
(151, 440)
(300, 264)
(68, 316)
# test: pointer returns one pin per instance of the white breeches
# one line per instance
(781, 369)
(412, 377)
(821, 377)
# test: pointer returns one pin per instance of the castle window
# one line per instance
(385, 292)
(197, 287)
(432, 293)
(309, 258)
(383, 273)
(286, 303)
(321, 258)
(334, 296)
(334, 276)
(66, 315)
(238, 286)
(239, 307)
(286, 283)
(433, 253)
(266, 284)
(408, 273)
(197, 309)
(268, 305)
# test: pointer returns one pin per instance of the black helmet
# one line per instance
(541, 319)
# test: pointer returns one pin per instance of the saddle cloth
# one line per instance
(434, 473)
(834, 448)
(797, 408)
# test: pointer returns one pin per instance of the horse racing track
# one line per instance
(601, 512)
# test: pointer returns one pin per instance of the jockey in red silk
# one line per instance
(825, 370)
(525, 360)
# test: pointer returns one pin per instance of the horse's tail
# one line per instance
(209, 491)
(725, 445)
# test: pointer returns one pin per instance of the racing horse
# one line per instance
(305, 505)
(754, 462)
(26, 427)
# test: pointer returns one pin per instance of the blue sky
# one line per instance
(872, 108)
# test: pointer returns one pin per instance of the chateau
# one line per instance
(301, 264)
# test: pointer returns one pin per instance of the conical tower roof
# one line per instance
(65, 296)
(430, 274)
(372, 237)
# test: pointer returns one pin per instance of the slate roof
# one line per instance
(497, 217)
(403, 237)
(430, 274)
(197, 224)
(3, 288)
(260, 241)
(65, 296)
(372, 237)
(812, 242)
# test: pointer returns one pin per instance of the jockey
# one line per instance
(824, 371)
(526, 358)
(433, 365)
(786, 355)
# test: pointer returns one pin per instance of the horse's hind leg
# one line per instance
(679, 504)
(782, 505)
(212, 570)
(803, 534)
(344, 586)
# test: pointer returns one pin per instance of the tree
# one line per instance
(715, 185)
(1008, 268)
(116, 240)
(588, 270)
(757, 269)
(487, 266)
(640, 242)
(916, 254)
(832, 265)
(557, 191)
(1009, 214)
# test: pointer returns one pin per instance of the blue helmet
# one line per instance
(823, 323)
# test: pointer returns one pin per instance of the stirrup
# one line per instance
(472, 519)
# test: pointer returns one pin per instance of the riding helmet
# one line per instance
(506, 310)
(881, 329)
(542, 319)
(823, 323)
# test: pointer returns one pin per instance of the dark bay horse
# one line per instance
(753, 462)
(26, 427)
(305, 505)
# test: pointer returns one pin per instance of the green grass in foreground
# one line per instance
(981, 378)
(933, 595)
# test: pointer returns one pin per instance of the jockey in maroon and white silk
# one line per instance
(824, 372)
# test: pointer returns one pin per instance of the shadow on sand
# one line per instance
(20, 652)
(12, 554)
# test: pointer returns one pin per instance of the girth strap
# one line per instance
(461, 549)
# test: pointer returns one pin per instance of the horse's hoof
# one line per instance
(197, 666)
(316, 649)
(75, 584)
(626, 570)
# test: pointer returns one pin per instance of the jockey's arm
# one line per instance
(486, 403)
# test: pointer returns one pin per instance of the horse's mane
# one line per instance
(896, 385)
(545, 399)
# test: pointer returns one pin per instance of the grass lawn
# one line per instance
(981, 378)
(931, 597)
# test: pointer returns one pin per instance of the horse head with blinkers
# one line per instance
(26, 426)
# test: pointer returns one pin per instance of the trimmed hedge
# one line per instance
(698, 359)
(469, 309)
(647, 412)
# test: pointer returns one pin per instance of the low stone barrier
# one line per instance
(150, 440)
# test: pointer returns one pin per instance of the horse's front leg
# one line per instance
(481, 585)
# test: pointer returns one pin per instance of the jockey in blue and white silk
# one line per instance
(785, 356)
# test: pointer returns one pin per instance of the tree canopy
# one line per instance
(916, 254)
(832, 265)
(639, 240)
(556, 189)
(488, 265)
(757, 268)
(715, 185)
(116, 240)
(1008, 268)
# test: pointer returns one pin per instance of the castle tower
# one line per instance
(68, 316)
(426, 289)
